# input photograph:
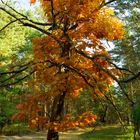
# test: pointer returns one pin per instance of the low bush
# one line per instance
(16, 129)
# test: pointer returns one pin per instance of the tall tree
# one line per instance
(61, 58)
(15, 54)
(127, 53)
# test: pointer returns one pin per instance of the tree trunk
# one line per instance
(56, 115)
(103, 115)
(52, 135)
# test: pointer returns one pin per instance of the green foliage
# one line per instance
(127, 53)
(84, 103)
(12, 38)
(7, 108)
(15, 50)
(16, 46)
(110, 133)
(16, 128)
(136, 113)
(15, 39)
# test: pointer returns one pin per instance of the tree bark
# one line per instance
(56, 115)
(52, 135)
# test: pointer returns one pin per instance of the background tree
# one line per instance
(15, 53)
(128, 49)
(127, 53)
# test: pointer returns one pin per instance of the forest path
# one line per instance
(70, 135)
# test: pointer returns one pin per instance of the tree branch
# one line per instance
(52, 12)
(31, 25)
(131, 78)
(116, 109)
(19, 80)
(106, 71)
(15, 71)
(109, 2)
(24, 17)
(72, 69)
(8, 25)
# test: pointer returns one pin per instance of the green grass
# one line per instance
(110, 133)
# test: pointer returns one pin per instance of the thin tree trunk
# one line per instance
(103, 120)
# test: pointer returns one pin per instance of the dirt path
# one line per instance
(70, 135)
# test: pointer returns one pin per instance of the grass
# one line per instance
(101, 133)
(110, 133)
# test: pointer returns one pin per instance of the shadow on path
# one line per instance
(70, 135)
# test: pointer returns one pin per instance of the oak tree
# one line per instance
(71, 57)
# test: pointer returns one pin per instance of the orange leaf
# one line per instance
(32, 1)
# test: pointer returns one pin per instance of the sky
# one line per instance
(24, 4)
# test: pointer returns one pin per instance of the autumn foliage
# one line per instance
(71, 57)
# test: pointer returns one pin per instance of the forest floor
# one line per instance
(70, 135)
(100, 133)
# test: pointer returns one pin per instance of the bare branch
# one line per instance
(10, 77)
(16, 71)
(105, 3)
(131, 78)
(109, 2)
(19, 80)
(9, 13)
(8, 25)
(32, 26)
(52, 12)
(116, 109)
(24, 17)
(123, 69)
